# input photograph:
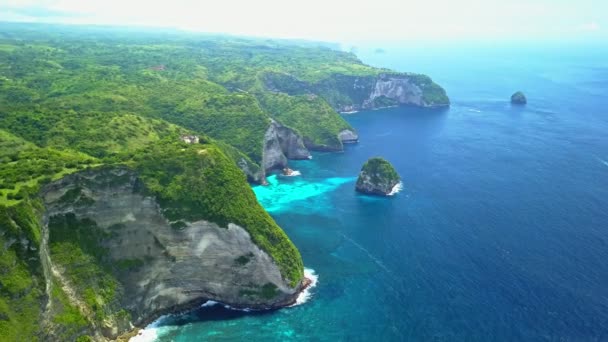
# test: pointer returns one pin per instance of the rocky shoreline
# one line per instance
(197, 303)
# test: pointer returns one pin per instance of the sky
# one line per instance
(337, 20)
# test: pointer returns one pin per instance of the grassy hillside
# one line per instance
(219, 86)
(80, 98)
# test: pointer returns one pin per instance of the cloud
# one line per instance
(336, 20)
(40, 12)
(589, 27)
(33, 11)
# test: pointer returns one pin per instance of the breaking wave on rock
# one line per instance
(396, 189)
(305, 295)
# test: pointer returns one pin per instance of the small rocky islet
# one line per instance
(377, 177)
(519, 98)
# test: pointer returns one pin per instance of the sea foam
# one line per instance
(150, 332)
(305, 295)
(293, 174)
(396, 189)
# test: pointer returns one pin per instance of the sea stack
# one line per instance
(377, 177)
(518, 98)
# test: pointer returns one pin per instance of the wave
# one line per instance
(294, 173)
(305, 295)
(474, 110)
(396, 189)
(150, 332)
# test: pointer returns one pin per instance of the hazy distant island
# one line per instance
(125, 162)
(377, 177)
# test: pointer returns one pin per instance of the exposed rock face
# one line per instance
(377, 177)
(348, 137)
(399, 89)
(519, 98)
(253, 172)
(179, 264)
(351, 93)
(280, 144)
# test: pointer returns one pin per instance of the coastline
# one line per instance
(201, 302)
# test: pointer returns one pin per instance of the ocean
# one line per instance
(500, 232)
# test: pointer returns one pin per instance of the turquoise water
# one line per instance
(500, 232)
(285, 194)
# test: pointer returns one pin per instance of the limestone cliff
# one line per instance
(142, 263)
(347, 93)
(280, 144)
(394, 89)
(348, 137)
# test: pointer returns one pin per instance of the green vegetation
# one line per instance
(84, 89)
(127, 265)
(383, 101)
(73, 99)
(268, 291)
(24, 167)
(432, 93)
(75, 246)
(303, 113)
(380, 171)
(21, 279)
(243, 259)
(67, 316)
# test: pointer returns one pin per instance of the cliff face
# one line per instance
(398, 90)
(310, 106)
(280, 144)
(348, 137)
(145, 264)
(351, 93)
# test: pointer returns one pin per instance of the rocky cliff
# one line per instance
(394, 90)
(348, 137)
(280, 144)
(347, 93)
(123, 262)
(310, 106)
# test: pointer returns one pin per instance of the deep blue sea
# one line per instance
(499, 234)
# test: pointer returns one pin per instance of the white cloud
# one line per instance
(338, 20)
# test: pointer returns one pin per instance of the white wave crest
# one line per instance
(294, 173)
(209, 303)
(305, 295)
(396, 189)
(150, 332)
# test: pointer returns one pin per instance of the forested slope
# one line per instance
(104, 112)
